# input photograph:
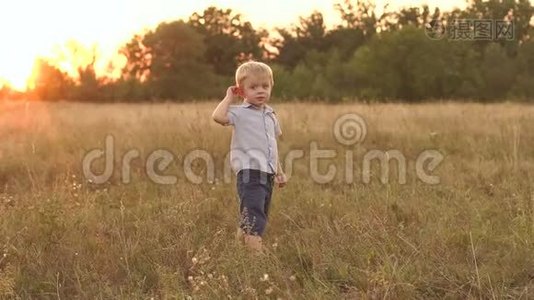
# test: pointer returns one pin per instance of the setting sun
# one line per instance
(31, 29)
(16, 72)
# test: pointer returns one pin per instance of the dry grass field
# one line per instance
(470, 236)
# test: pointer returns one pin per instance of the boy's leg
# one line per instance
(256, 242)
(253, 195)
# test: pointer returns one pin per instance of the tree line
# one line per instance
(407, 55)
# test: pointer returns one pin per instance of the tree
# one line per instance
(289, 49)
(89, 87)
(361, 15)
(498, 72)
(171, 60)
(524, 81)
(519, 12)
(407, 65)
(228, 40)
(137, 59)
(294, 43)
(50, 83)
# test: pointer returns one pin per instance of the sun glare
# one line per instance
(15, 80)
(33, 28)
(15, 70)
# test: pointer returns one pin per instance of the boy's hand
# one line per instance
(234, 92)
(281, 179)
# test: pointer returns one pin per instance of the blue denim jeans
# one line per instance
(255, 189)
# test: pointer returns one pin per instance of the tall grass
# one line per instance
(470, 236)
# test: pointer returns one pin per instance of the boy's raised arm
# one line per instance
(220, 114)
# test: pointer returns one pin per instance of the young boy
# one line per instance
(254, 151)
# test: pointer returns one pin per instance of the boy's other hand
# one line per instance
(280, 179)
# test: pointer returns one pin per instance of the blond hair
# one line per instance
(252, 67)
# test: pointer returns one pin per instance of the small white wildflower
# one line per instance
(194, 260)
(190, 278)
(292, 278)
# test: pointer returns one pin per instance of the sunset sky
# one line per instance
(33, 28)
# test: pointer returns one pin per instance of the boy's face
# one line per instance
(257, 89)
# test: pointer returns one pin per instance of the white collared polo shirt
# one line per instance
(253, 144)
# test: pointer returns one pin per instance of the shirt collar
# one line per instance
(267, 107)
